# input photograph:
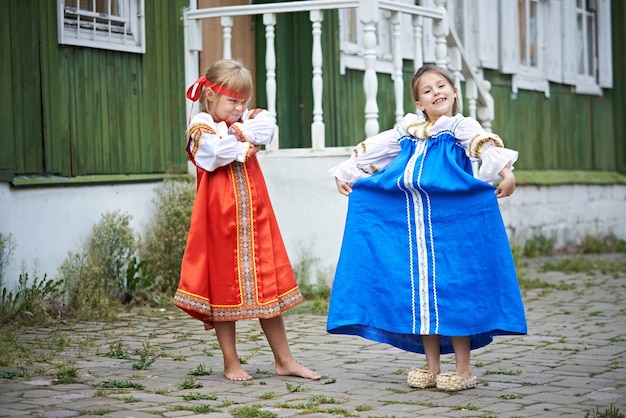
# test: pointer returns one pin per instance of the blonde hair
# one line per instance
(229, 74)
(433, 68)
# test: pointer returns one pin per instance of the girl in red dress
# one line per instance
(235, 265)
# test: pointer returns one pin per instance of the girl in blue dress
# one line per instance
(425, 263)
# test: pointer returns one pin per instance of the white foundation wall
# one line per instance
(47, 223)
(565, 213)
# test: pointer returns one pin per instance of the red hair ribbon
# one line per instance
(193, 92)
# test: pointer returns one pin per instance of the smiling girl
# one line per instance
(425, 263)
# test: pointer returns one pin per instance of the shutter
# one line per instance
(488, 39)
(570, 48)
(509, 53)
(554, 44)
(605, 67)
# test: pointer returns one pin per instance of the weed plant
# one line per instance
(7, 247)
(164, 242)
(599, 245)
(611, 412)
(34, 302)
(316, 294)
(251, 412)
(105, 272)
(189, 383)
(538, 246)
(67, 373)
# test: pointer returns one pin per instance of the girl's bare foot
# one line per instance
(236, 373)
(293, 368)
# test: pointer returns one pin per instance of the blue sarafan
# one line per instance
(425, 252)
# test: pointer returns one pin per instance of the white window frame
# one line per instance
(125, 32)
(558, 48)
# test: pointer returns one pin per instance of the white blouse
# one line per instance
(212, 145)
(377, 152)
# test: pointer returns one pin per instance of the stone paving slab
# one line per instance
(571, 364)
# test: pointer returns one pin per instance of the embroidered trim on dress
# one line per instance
(255, 112)
(418, 220)
(195, 136)
(362, 146)
(237, 130)
(246, 259)
(478, 141)
(191, 302)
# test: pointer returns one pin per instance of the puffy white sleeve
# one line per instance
(209, 146)
(258, 127)
(373, 154)
(486, 147)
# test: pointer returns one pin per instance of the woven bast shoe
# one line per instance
(421, 379)
(452, 382)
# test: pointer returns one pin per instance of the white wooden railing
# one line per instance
(448, 52)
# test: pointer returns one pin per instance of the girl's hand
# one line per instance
(254, 149)
(343, 187)
(507, 185)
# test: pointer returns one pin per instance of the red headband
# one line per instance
(193, 92)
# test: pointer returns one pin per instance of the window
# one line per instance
(524, 50)
(586, 37)
(108, 24)
(529, 38)
(566, 42)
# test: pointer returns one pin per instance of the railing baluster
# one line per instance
(418, 28)
(486, 110)
(472, 93)
(398, 82)
(269, 20)
(227, 30)
(455, 68)
(317, 127)
(440, 31)
(368, 14)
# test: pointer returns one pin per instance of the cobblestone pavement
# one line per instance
(571, 363)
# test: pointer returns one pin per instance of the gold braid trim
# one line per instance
(419, 129)
(478, 141)
(195, 135)
(237, 129)
(361, 148)
(255, 112)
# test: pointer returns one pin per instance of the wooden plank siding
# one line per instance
(566, 131)
(71, 111)
(618, 94)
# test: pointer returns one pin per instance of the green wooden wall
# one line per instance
(566, 131)
(72, 111)
(618, 94)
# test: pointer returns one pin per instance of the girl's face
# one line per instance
(435, 95)
(226, 108)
